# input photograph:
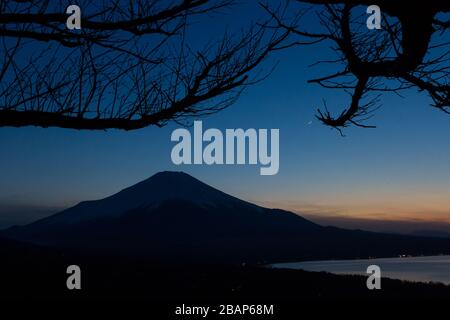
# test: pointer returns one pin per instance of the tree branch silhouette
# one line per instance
(409, 52)
(130, 66)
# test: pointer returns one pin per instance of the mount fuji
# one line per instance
(173, 215)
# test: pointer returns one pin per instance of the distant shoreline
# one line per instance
(424, 269)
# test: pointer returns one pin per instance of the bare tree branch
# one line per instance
(410, 49)
(129, 67)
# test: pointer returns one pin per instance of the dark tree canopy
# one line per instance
(412, 50)
(130, 65)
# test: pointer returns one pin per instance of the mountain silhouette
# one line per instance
(431, 233)
(172, 215)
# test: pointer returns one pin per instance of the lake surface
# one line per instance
(423, 269)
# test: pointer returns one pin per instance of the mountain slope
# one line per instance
(431, 233)
(175, 216)
(162, 187)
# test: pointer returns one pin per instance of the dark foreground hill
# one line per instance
(38, 273)
(173, 216)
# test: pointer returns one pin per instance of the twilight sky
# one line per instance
(399, 171)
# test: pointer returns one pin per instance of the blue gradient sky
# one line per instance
(399, 171)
